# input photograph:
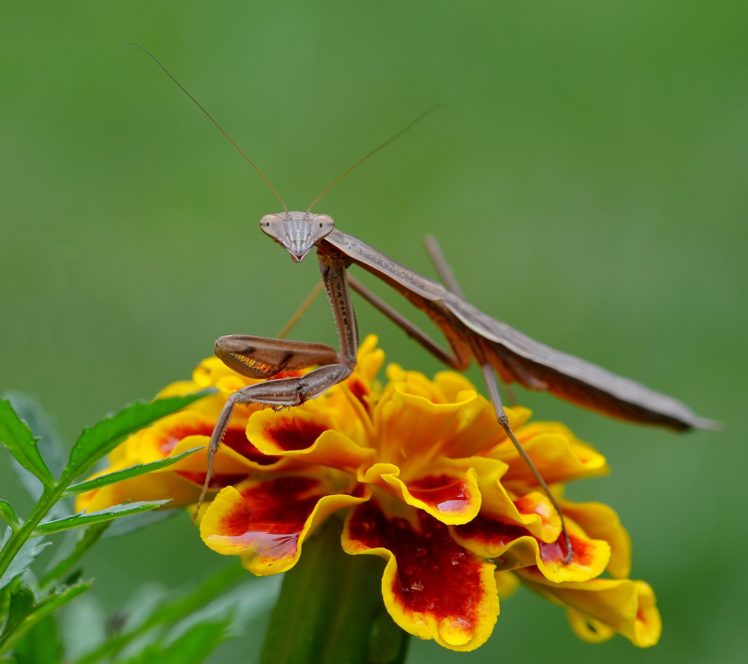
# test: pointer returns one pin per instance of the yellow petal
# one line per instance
(267, 522)
(601, 606)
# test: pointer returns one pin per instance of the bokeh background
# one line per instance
(586, 176)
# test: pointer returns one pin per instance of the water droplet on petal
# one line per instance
(455, 631)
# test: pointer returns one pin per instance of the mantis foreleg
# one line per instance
(266, 355)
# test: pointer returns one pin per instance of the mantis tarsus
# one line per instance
(471, 334)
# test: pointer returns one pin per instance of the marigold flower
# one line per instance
(425, 479)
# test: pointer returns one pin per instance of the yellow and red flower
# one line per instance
(425, 479)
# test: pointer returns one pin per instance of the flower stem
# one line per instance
(330, 609)
(46, 502)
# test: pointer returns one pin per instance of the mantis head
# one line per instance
(297, 232)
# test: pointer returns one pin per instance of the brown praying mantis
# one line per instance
(470, 334)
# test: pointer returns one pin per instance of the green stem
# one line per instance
(90, 536)
(330, 609)
(46, 502)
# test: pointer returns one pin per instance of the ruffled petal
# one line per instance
(480, 430)
(305, 435)
(172, 435)
(449, 494)
(556, 452)
(600, 607)
(506, 584)
(513, 547)
(601, 522)
(410, 426)
(267, 522)
(432, 587)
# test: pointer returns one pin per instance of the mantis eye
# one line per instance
(325, 221)
(266, 221)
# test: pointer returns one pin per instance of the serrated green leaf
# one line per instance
(59, 597)
(62, 595)
(192, 647)
(87, 519)
(17, 437)
(50, 443)
(104, 436)
(127, 473)
(138, 522)
(22, 602)
(22, 560)
(74, 546)
(9, 514)
(41, 645)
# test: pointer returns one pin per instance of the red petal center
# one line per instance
(445, 493)
(294, 433)
(435, 575)
(273, 515)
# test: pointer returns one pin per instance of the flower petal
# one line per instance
(451, 498)
(506, 584)
(601, 522)
(305, 435)
(412, 427)
(514, 547)
(432, 587)
(480, 430)
(267, 522)
(556, 452)
(290, 430)
(599, 607)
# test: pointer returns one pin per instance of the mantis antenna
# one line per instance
(215, 122)
(331, 185)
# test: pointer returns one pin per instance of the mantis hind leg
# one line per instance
(447, 276)
(493, 390)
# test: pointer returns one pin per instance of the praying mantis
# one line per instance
(471, 335)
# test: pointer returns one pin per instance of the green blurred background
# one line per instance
(586, 176)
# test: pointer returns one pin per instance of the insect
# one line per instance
(470, 334)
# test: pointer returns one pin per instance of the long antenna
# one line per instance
(226, 135)
(331, 185)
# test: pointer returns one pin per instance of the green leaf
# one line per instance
(192, 647)
(41, 645)
(22, 560)
(17, 437)
(127, 473)
(75, 544)
(50, 443)
(86, 519)
(104, 436)
(59, 597)
(138, 522)
(22, 602)
(9, 514)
